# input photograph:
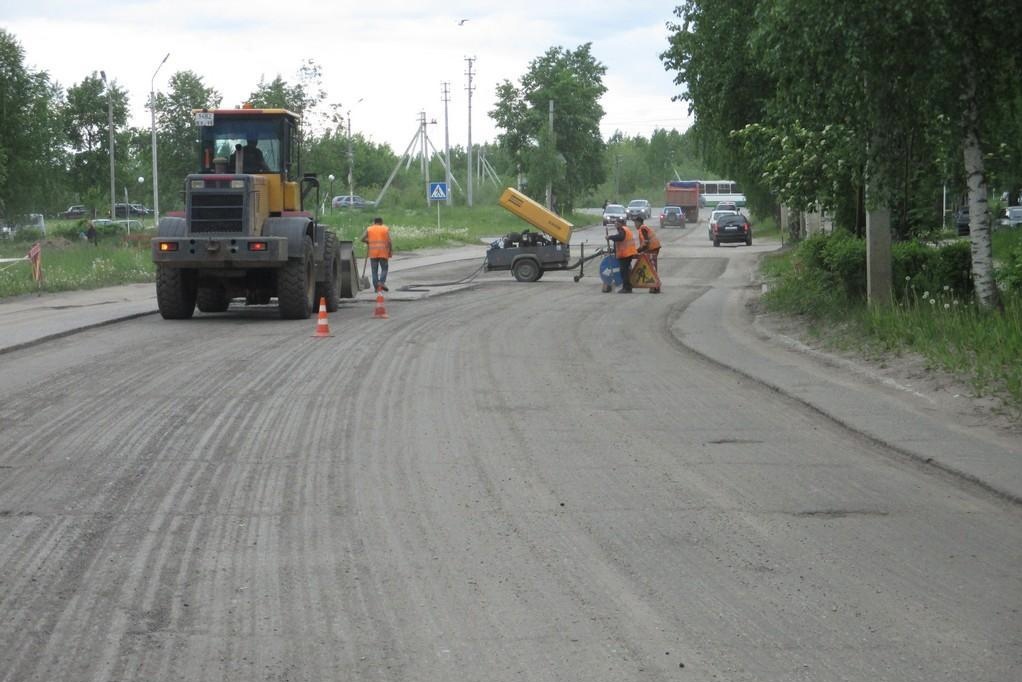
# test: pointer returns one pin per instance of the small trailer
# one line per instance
(529, 254)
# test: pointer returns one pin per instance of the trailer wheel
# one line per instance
(296, 285)
(526, 270)
(175, 292)
(328, 289)
(212, 299)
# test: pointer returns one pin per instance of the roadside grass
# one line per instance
(69, 263)
(982, 347)
(765, 228)
(68, 266)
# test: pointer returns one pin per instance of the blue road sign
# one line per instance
(610, 271)
(438, 191)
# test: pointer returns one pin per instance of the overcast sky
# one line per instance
(391, 54)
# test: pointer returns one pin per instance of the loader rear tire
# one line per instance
(296, 285)
(175, 292)
(212, 299)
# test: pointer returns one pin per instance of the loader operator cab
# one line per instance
(261, 144)
(267, 134)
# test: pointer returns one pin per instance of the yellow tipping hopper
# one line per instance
(536, 215)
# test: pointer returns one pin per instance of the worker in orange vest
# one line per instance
(649, 244)
(624, 250)
(377, 237)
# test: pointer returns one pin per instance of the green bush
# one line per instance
(954, 267)
(845, 258)
(918, 268)
(1009, 275)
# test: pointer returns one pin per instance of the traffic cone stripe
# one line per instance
(380, 312)
(322, 326)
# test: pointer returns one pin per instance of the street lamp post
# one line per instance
(331, 197)
(152, 111)
(110, 126)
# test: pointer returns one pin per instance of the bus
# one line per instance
(712, 192)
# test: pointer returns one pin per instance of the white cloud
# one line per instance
(392, 54)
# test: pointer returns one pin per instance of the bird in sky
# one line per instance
(461, 21)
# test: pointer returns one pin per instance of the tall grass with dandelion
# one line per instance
(933, 313)
(69, 266)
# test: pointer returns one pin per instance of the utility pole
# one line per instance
(550, 181)
(425, 160)
(471, 61)
(152, 109)
(110, 127)
(351, 159)
(447, 145)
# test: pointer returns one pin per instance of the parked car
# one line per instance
(130, 211)
(714, 217)
(639, 208)
(962, 220)
(351, 201)
(75, 212)
(732, 227)
(612, 212)
(672, 215)
(1012, 217)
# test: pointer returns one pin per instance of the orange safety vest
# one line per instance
(626, 247)
(648, 236)
(379, 241)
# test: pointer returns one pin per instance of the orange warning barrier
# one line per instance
(322, 326)
(380, 311)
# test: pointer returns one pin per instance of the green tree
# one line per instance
(177, 146)
(87, 126)
(31, 139)
(573, 80)
(809, 94)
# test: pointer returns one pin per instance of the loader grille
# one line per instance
(217, 212)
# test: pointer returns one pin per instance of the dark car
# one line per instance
(130, 211)
(732, 227)
(962, 220)
(75, 212)
(672, 215)
(612, 212)
(639, 208)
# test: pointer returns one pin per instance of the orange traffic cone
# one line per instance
(322, 327)
(380, 311)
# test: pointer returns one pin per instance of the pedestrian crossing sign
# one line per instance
(438, 191)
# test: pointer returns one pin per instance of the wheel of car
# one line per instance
(748, 240)
(716, 242)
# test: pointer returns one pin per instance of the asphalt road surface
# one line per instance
(509, 482)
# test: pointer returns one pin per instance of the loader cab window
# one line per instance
(219, 143)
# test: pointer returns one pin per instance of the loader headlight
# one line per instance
(198, 184)
(237, 184)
